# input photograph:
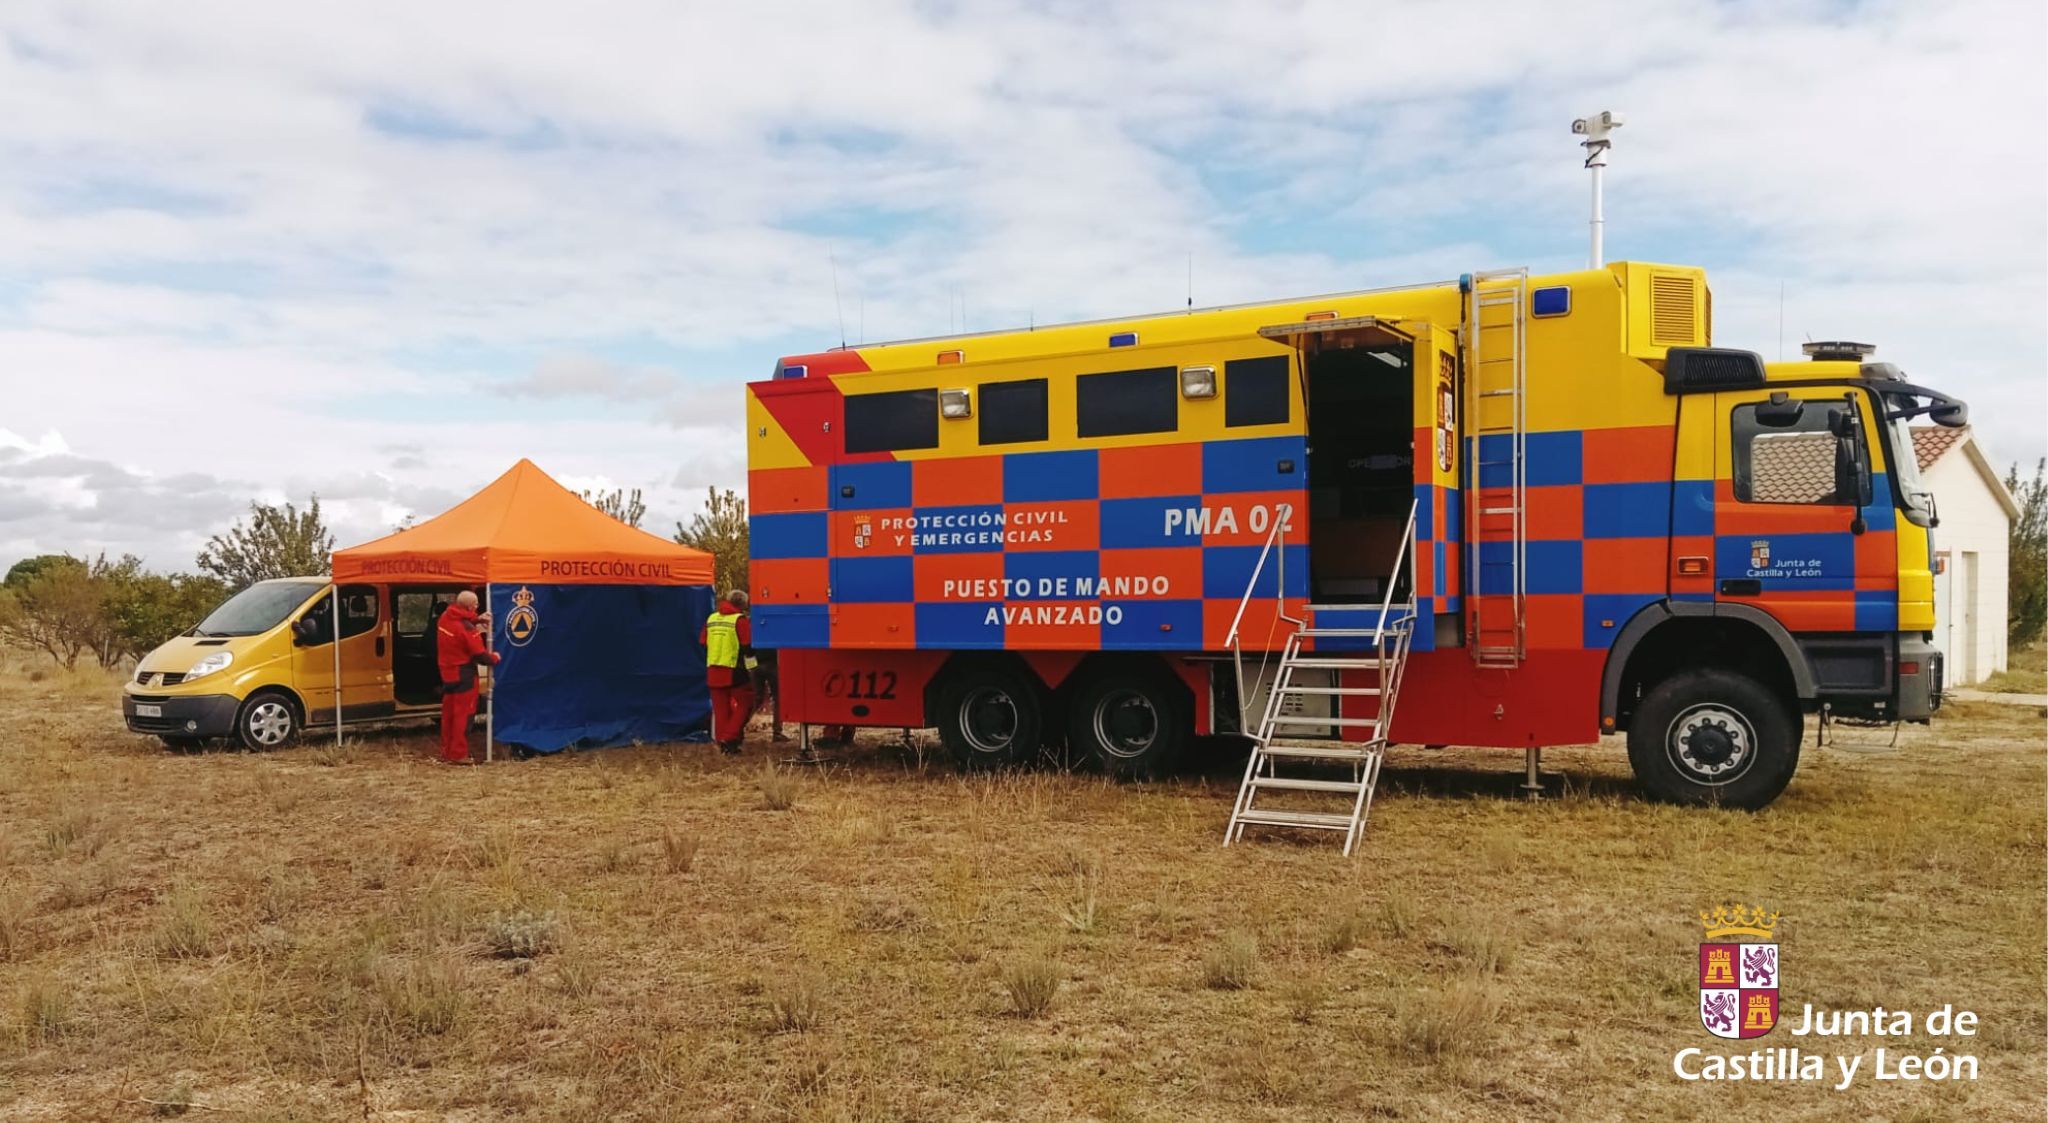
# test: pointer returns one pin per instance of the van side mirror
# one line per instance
(1782, 412)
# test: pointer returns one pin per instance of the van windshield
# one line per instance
(256, 609)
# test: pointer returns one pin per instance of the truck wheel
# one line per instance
(1135, 721)
(267, 720)
(990, 718)
(1714, 737)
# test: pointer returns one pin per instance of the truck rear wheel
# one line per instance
(990, 718)
(1135, 720)
(1714, 737)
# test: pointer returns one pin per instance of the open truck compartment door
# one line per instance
(1381, 399)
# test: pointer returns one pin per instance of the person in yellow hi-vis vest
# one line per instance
(728, 640)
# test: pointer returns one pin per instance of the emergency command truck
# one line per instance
(1529, 510)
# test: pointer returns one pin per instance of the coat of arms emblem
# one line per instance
(524, 620)
(1738, 980)
(1760, 553)
(863, 531)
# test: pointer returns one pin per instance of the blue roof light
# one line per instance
(1124, 339)
(796, 370)
(1554, 301)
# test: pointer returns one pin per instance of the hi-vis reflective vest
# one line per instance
(722, 640)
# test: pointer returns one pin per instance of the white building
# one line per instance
(1970, 551)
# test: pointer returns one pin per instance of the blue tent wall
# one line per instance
(602, 665)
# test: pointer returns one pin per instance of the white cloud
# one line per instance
(265, 247)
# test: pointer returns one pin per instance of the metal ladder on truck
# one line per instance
(1376, 654)
(1496, 527)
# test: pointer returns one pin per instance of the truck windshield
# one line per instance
(1906, 466)
(256, 609)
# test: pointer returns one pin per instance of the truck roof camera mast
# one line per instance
(1596, 129)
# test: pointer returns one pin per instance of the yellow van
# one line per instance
(260, 668)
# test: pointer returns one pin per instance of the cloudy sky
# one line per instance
(378, 251)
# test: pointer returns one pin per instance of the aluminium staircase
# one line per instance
(1364, 660)
(1496, 527)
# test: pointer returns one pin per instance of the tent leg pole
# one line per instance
(334, 607)
(491, 713)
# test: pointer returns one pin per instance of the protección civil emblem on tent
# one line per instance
(523, 621)
(1738, 980)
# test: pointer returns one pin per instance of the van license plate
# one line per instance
(148, 711)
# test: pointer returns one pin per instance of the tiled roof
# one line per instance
(1930, 441)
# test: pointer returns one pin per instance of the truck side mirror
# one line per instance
(1852, 467)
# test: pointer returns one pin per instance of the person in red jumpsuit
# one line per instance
(460, 651)
(728, 642)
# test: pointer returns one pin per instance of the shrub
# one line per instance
(1343, 931)
(795, 1003)
(1031, 984)
(184, 929)
(1304, 993)
(177, 1101)
(45, 1010)
(422, 998)
(521, 935)
(1454, 1021)
(1479, 943)
(15, 910)
(778, 788)
(1079, 910)
(1231, 963)
(679, 850)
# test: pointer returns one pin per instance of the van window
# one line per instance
(1255, 391)
(1119, 403)
(892, 421)
(358, 615)
(256, 609)
(1792, 464)
(1012, 412)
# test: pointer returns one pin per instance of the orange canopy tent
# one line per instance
(596, 622)
(524, 527)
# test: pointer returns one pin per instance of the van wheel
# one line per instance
(1714, 737)
(1135, 720)
(268, 719)
(991, 718)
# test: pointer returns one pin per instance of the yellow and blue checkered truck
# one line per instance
(1570, 513)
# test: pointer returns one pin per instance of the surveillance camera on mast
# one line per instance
(1595, 129)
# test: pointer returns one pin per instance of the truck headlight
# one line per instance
(218, 661)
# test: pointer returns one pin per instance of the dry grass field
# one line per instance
(662, 934)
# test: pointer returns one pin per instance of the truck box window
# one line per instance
(892, 421)
(1012, 412)
(1119, 403)
(1793, 464)
(1255, 391)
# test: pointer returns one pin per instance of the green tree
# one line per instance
(619, 504)
(20, 572)
(58, 610)
(279, 541)
(2027, 557)
(146, 609)
(720, 529)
